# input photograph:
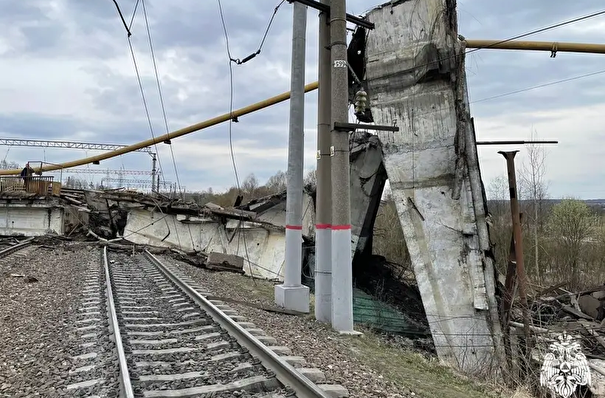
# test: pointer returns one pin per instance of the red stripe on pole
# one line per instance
(297, 227)
(323, 226)
(341, 227)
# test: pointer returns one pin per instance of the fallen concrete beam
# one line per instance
(415, 74)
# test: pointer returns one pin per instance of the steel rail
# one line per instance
(125, 383)
(14, 248)
(284, 372)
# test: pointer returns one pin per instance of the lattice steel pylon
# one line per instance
(136, 183)
(155, 181)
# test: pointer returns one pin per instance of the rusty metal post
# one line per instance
(516, 218)
(510, 286)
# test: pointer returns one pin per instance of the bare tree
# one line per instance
(250, 184)
(535, 187)
(311, 178)
(277, 182)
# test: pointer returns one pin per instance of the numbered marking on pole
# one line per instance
(340, 63)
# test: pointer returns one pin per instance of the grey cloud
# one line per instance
(93, 33)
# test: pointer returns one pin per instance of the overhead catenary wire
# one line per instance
(161, 96)
(544, 29)
(512, 38)
(165, 118)
(146, 107)
(539, 86)
(262, 42)
(231, 60)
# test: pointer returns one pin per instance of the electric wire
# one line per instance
(544, 29)
(129, 33)
(146, 107)
(233, 161)
(539, 86)
(157, 78)
(136, 68)
(161, 97)
(530, 33)
(134, 12)
(260, 47)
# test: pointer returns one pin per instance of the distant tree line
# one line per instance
(563, 239)
(250, 189)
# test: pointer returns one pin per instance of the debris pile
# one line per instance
(578, 314)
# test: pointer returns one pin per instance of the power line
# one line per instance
(136, 68)
(533, 32)
(122, 18)
(157, 78)
(134, 13)
(231, 95)
(260, 47)
(539, 86)
(536, 31)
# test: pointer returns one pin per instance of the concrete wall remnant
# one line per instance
(30, 218)
(262, 248)
(415, 76)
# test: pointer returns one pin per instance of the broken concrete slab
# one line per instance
(225, 262)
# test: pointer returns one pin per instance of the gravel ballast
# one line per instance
(320, 346)
(40, 295)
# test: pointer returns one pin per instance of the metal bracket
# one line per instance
(326, 8)
(332, 150)
(318, 155)
(349, 127)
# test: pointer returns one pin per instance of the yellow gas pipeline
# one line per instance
(178, 133)
(483, 44)
(551, 46)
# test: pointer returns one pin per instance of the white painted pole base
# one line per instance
(323, 274)
(292, 295)
(342, 287)
(293, 260)
(294, 298)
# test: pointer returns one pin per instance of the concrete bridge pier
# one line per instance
(415, 74)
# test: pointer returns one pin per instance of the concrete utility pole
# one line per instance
(154, 171)
(323, 234)
(292, 295)
(342, 272)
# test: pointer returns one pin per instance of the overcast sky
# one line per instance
(67, 74)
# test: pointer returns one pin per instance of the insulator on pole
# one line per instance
(361, 101)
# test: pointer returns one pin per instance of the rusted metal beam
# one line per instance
(518, 238)
(511, 279)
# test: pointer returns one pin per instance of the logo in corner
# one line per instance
(565, 367)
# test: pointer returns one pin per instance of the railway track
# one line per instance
(8, 247)
(148, 332)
